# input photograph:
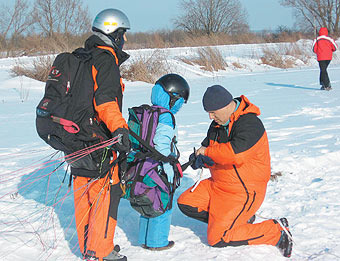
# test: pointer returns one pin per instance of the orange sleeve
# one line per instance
(223, 153)
(110, 114)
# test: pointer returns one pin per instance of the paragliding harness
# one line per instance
(66, 118)
(145, 183)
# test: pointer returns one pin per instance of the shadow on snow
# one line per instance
(52, 193)
(291, 86)
(49, 188)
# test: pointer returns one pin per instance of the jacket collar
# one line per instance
(244, 107)
(98, 39)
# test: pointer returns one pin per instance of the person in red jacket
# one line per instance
(97, 193)
(324, 46)
(236, 151)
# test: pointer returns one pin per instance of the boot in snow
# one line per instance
(285, 244)
(114, 255)
(326, 88)
(170, 245)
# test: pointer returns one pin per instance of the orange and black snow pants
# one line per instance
(227, 214)
(96, 206)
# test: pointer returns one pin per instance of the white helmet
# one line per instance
(109, 21)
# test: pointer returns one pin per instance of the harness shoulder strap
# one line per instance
(162, 110)
(157, 155)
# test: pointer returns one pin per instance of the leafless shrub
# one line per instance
(281, 34)
(205, 17)
(296, 51)
(39, 69)
(273, 57)
(187, 61)
(209, 58)
(146, 68)
(293, 50)
(178, 38)
(275, 175)
(60, 23)
(284, 56)
(237, 65)
(315, 14)
(24, 92)
(61, 16)
(15, 20)
(34, 44)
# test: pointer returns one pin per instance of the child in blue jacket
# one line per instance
(170, 92)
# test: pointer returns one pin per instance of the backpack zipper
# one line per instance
(68, 86)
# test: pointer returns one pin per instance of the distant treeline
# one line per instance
(31, 27)
(36, 44)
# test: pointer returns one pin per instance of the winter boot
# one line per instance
(326, 88)
(114, 255)
(285, 243)
(170, 245)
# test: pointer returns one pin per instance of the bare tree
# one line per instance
(311, 14)
(212, 16)
(15, 20)
(62, 16)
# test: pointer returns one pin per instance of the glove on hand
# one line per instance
(123, 145)
(200, 161)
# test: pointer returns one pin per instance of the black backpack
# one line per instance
(66, 118)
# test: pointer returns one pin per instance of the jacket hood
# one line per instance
(161, 98)
(245, 107)
(98, 39)
(323, 31)
(94, 41)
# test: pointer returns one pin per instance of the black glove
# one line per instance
(123, 145)
(200, 161)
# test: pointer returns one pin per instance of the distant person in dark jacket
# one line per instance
(324, 46)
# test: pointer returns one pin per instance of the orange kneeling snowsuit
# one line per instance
(237, 186)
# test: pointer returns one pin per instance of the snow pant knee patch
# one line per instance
(231, 243)
(115, 195)
(194, 213)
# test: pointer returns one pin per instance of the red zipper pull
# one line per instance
(68, 86)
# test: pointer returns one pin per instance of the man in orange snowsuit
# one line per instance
(237, 144)
(97, 193)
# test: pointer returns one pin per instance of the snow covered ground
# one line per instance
(303, 125)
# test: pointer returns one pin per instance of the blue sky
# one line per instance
(152, 15)
(158, 14)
